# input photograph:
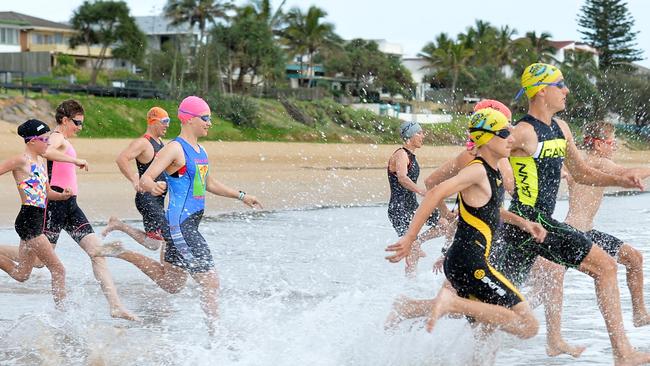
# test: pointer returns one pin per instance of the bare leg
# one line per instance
(170, 278)
(90, 243)
(209, 283)
(548, 284)
(407, 308)
(485, 352)
(12, 252)
(518, 321)
(632, 259)
(138, 235)
(602, 267)
(21, 270)
(44, 251)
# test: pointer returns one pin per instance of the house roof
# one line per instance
(161, 25)
(560, 44)
(27, 21)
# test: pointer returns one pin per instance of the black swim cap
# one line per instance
(31, 128)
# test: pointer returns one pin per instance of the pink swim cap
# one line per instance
(192, 106)
(494, 104)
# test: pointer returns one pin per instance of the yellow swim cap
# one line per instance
(484, 123)
(534, 77)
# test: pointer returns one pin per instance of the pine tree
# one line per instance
(607, 26)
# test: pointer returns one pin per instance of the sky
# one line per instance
(411, 23)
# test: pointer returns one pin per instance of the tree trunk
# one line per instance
(206, 73)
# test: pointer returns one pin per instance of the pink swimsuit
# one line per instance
(64, 175)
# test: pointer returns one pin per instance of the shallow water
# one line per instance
(298, 287)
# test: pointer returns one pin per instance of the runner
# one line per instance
(185, 164)
(483, 293)
(66, 214)
(403, 172)
(541, 144)
(29, 173)
(152, 208)
(584, 202)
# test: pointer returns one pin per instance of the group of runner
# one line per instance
(491, 253)
(45, 174)
(494, 250)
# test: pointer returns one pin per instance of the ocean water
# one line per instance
(308, 287)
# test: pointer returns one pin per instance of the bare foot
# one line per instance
(562, 347)
(113, 223)
(122, 313)
(440, 307)
(641, 319)
(632, 359)
(112, 249)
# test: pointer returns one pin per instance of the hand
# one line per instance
(402, 249)
(437, 265)
(422, 192)
(631, 180)
(66, 194)
(536, 230)
(82, 164)
(137, 187)
(159, 188)
(251, 201)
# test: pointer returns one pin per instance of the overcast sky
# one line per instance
(411, 23)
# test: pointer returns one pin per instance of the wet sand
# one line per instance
(282, 175)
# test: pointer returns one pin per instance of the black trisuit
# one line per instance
(467, 264)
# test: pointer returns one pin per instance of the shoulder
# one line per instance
(474, 170)
(564, 127)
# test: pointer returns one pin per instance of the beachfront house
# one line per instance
(32, 45)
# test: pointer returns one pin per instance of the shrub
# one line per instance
(238, 109)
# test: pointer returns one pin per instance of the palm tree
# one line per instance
(452, 60)
(199, 13)
(541, 46)
(262, 10)
(306, 33)
(504, 47)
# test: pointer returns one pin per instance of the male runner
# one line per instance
(584, 202)
(152, 208)
(185, 164)
(541, 145)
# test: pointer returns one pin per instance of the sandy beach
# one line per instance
(281, 175)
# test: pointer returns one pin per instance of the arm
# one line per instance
(54, 153)
(171, 156)
(58, 196)
(215, 187)
(584, 174)
(610, 167)
(132, 151)
(448, 169)
(401, 170)
(533, 228)
(507, 175)
(467, 177)
(11, 164)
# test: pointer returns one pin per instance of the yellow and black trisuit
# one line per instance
(537, 181)
(467, 265)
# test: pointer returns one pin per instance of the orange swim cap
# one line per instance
(156, 114)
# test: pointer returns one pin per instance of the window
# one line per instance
(58, 38)
(8, 36)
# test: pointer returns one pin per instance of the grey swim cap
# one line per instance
(408, 129)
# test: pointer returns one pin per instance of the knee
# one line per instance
(531, 327)
(633, 259)
(22, 277)
(173, 287)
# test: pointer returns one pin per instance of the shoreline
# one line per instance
(282, 175)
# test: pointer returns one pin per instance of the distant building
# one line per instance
(25, 40)
(160, 33)
(564, 48)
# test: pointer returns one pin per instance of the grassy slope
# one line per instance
(116, 117)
